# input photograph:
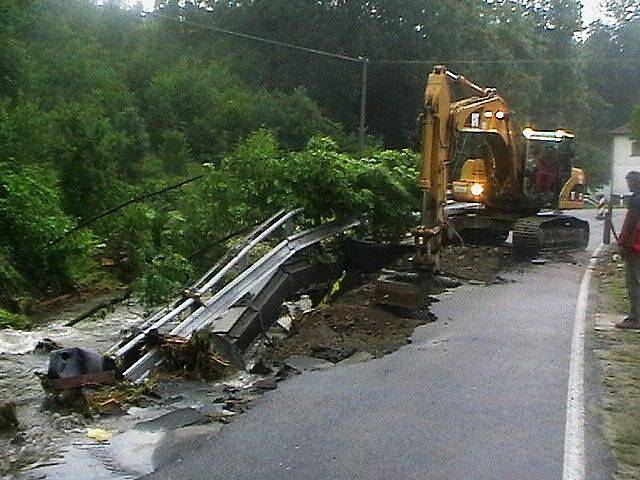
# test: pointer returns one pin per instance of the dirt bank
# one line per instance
(356, 321)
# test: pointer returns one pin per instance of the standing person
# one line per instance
(629, 243)
(602, 208)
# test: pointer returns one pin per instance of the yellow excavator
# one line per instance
(503, 179)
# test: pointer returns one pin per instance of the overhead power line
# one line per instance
(361, 59)
(364, 61)
(490, 62)
(262, 39)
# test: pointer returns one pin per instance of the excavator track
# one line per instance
(532, 235)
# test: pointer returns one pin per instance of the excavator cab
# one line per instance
(550, 179)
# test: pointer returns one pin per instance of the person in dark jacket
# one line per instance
(627, 241)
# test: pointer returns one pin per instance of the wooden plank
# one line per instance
(102, 378)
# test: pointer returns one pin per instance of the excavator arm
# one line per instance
(483, 112)
(434, 124)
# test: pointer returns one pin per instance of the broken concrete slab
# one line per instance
(265, 384)
(213, 410)
(175, 441)
(145, 414)
(358, 357)
(176, 419)
(134, 450)
(224, 324)
(285, 322)
(304, 363)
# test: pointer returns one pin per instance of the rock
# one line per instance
(8, 417)
(447, 282)
(73, 362)
(258, 367)
(46, 345)
(304, 363)
(332, 354)
(265, 384)
(305, 304)
(72, 399)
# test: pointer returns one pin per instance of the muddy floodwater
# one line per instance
(65, 445)
(42, 435)
(128, 441)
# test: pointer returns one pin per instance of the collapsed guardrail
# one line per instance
(202, 314)
(205, 284)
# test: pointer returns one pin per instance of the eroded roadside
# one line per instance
(359, 321)
(348, 326)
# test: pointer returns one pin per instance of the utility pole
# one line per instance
(363, 100)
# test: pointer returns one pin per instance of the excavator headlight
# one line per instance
(477, 189)
(500, 115)
(488, 114)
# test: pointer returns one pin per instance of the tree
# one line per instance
(12, 15)
(174, 152)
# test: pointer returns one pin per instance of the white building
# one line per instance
(625, 157)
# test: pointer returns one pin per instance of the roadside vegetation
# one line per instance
(620, 362)
(101, 104)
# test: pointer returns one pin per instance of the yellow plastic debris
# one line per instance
(99, 435)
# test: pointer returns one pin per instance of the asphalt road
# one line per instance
(479, 394)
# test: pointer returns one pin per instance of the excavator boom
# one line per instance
(499, 174)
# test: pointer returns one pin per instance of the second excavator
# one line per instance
(483, 177)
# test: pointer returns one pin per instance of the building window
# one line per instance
(635, 149)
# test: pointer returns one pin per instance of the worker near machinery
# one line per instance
(546, 174)
(602, 208)
(629, 243)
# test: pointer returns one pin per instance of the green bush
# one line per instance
(31, 218)
(380, 190)
(165, 275)
(14, 320)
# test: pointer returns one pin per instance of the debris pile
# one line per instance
(356, 322)
(204, 356)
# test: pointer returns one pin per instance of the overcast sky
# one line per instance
(590, 11)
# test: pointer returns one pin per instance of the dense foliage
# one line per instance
(99, 104)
